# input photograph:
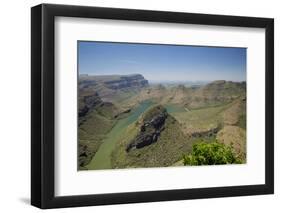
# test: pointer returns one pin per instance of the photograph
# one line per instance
(160, 105)
(149, 105)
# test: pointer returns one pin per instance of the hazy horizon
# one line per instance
(162, 63)
(161, 81)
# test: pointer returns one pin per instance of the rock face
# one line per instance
(94, 91)
(113, 82)
(88, 102)
(112, 87)
(125, 82)
(207, 133)
(152, 126)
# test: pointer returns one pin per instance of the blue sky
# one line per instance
(162, 62)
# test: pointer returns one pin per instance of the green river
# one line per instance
(102, 159)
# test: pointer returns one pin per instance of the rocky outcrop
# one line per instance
(123, 113)
(113, 82)
(88, 102)
(207, 133)
(150, 129)
(111, 87)
(125, 82)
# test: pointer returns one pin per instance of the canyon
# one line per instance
(124, 121)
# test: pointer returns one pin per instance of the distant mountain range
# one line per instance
(111, 88)
(196, 96)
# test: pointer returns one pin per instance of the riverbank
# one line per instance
(102, 159)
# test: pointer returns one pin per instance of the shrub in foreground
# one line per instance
(213, 153)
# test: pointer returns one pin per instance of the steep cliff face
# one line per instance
(113, 82)
(150, 129)
(154, 140)
(88, 102)
(112, 87)
(127, 82)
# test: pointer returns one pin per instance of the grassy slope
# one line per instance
(165, 152)
(210, 95)
(172, 143)
(98, 84)
(236, 137)
(242, 117)
(97, 123)
(206, 118)
(102, 158)
(200, 119)
(91, 133)
(234, 131)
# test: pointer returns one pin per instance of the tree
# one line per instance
(213, 153)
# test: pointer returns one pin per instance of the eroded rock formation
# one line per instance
(152, 125)
(88, 102)
(125, 82)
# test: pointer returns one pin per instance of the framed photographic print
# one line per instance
(139, 106)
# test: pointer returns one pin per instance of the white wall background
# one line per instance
(15, 105)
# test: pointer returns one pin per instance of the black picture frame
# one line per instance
(43, 102)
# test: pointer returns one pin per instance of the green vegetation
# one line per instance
(242, 117)
(168, 149)
(242, 121)
(200, 120)
(102, 158)
(91, 133)
(173, 108)
(152, 112)
(125, 123)
(210, 154)
(235, 137)
(211, 95)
